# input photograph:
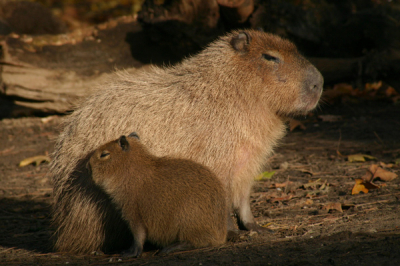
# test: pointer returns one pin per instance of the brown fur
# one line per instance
(224, 108)
(164, 200)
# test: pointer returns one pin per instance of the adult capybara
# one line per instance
(173, 203)
(224, 108)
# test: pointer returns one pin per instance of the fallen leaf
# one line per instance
(341, 155)
(282, 198)
(35, 159)
(397, 161)
(368, 176)
(309, 202)
(264, 176)
(389, 165)
(381, 173)
(333, 206)
(390, 91)
(284, 166)
(362, 186)
(359, 157)
(330, 118)
(395, 98)
(293, 124)
(373, 86)
(267, 224)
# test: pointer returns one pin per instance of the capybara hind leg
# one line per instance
(233, 232)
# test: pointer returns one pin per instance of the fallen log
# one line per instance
(51, 73)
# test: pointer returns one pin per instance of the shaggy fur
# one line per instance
(224, 108)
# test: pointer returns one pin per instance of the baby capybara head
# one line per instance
(113, 157)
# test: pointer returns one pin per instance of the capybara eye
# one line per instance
(104, 154)
(271, 58)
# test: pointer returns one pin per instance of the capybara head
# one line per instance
(289, 84)
(113, 157)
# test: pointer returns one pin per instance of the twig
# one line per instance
(287, 184)
(376, 134)
(5, 151)
(369, 203)
(6, 250)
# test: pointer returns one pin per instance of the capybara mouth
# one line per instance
(312, 89)
(312, 100)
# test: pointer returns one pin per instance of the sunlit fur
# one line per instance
(224, 108)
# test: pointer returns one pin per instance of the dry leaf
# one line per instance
(373, 86)
(35, 159)
(368, 176)
(296, 124)
(282, 198)
(309, 202)
(395, 98)
(389, 165)
(341, 155)
(267, 224)
(264, 176)
(390, 92)
(333, 206)
(330, 118)
(362, 186)
(359, 157)
(382, 174)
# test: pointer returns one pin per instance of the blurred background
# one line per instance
(355, 43)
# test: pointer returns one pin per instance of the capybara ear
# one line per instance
(241, 41)
(134, 135)
(89, 168)
(123, 143)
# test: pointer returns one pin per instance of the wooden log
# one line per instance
(51, 73)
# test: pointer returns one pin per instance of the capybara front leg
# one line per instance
(139, 236)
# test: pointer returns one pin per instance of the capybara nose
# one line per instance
(314, 81)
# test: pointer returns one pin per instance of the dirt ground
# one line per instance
(363, 230)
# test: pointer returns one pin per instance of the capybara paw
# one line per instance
(134, 252)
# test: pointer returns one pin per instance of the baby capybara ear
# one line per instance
(134, 135)
(241, 41)
(123, 143)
